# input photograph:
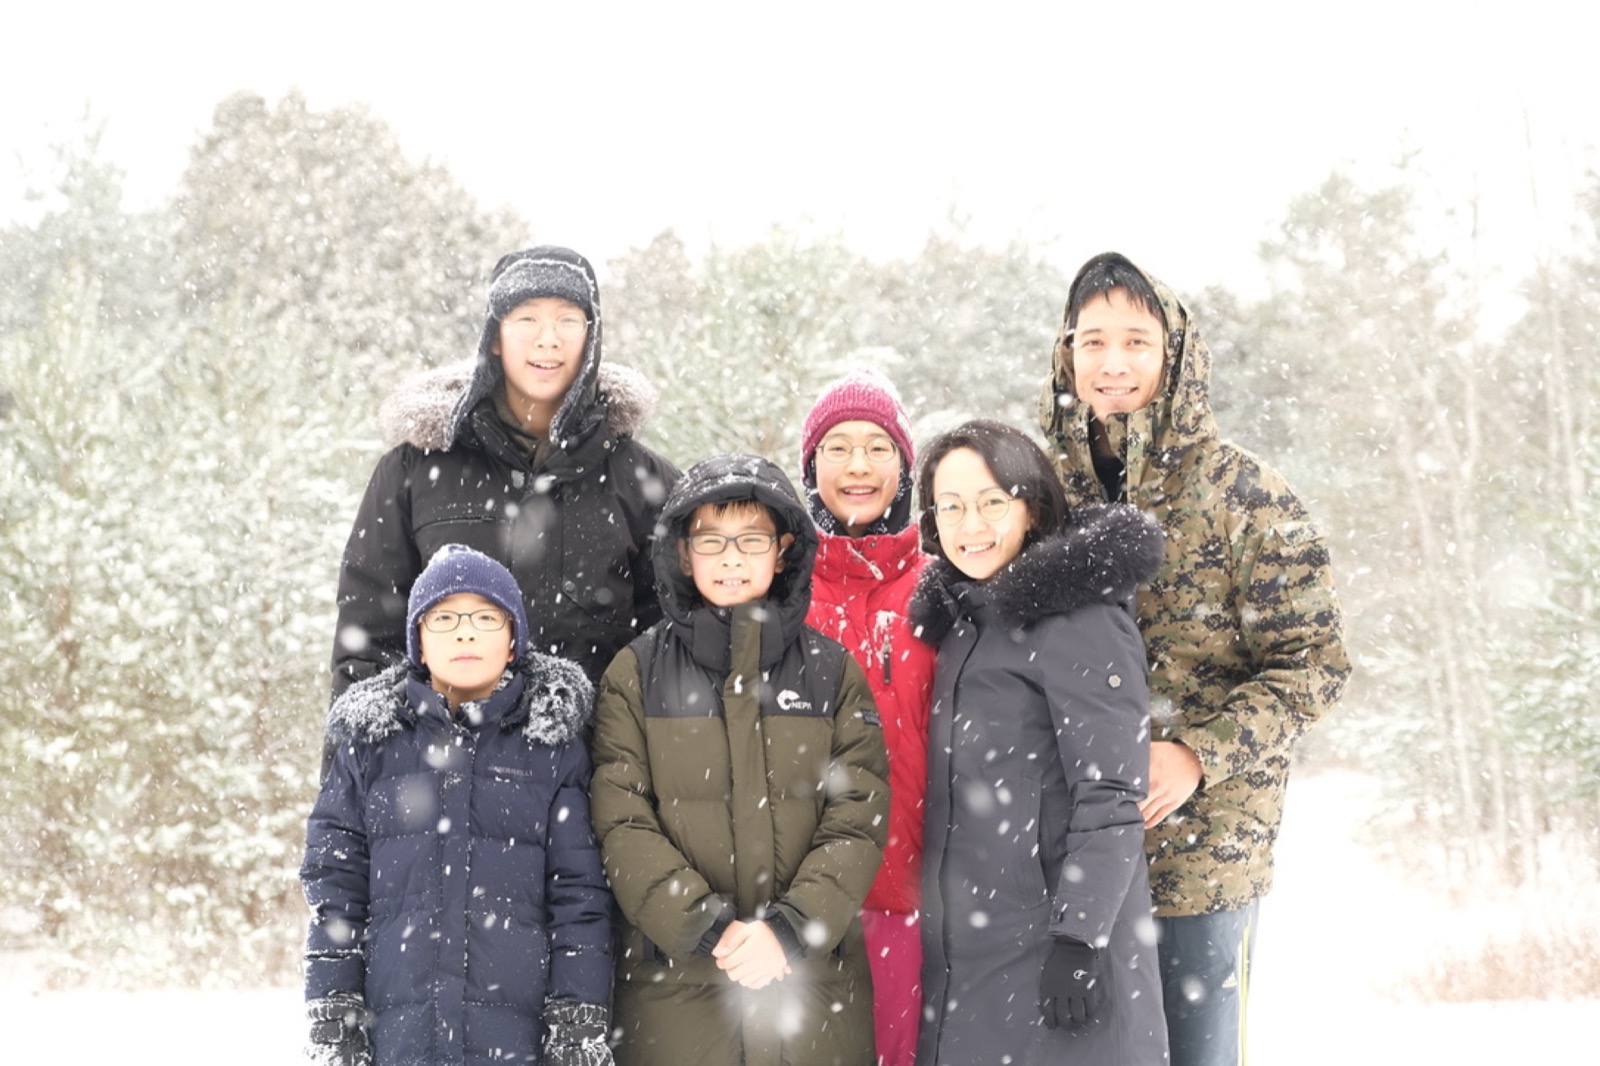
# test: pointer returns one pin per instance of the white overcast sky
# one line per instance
(1176, 133)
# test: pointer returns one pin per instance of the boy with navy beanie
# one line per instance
(460, 913)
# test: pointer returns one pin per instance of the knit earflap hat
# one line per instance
(538, 272)
(545, 271)
(457, 568)
(862, 394)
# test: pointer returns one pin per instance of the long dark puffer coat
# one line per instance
(1038, 756)
(452, 873)
(734, 784)
(575, 532)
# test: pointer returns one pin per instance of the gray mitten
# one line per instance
(575, 1034)
(338, 1031)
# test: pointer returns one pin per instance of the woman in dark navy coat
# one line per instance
(1038, 942)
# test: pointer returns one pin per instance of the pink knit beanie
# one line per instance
(862, 394)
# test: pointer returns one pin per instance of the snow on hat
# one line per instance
(862, 394)
(523, 276)
(457, 568)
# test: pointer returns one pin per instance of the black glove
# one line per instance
(575, 1034)
(1072, 988)
(338, 1031)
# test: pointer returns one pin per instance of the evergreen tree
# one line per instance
(739, 344)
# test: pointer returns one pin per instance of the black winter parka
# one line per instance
(576, 532)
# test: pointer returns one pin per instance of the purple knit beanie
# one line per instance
(457, 568)
(862, 394)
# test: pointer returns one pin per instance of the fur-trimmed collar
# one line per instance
(557, 703)
(1102, 558)
(419, 411)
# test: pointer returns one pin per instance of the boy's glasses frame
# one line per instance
(484, 621)
(717, 544)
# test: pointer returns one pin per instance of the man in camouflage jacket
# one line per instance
(1241, 625)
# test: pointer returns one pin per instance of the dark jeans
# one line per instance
(1205, 977)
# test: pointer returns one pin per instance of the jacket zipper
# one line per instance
(888, 639)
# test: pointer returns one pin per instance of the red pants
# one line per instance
(894, 949)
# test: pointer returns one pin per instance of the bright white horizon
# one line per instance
(1176, 135)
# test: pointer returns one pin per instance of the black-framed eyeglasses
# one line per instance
(747, 543)
(485, 621)
(837, 450)
(992, 505)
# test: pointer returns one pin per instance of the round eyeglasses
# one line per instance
(992, 505)
(567, 327)
(879, 450)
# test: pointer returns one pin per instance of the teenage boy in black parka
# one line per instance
(526, 453)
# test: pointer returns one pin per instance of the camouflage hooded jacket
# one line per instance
(1242, 624)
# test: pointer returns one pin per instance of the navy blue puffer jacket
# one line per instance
(452, 873)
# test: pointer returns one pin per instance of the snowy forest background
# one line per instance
(187, 419)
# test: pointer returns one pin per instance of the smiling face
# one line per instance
(738, 573)
(540, 347)
(964, 489)
(466, 662)
(858, 473)
(1118, 354)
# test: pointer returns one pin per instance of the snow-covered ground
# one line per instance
(1336, 933)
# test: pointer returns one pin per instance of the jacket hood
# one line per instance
(546, 270)
(736, 477)
(1179, 416)
(421, 411)
(554, 708)
(1102, 558)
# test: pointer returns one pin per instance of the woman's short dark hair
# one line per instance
(1019, 465)
(1110, 272)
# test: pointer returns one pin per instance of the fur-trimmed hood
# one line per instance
(555, 707)
(420, 411)
(1108, 552)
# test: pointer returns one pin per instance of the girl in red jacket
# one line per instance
(856, 458)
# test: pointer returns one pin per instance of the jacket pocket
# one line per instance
(1031, 845)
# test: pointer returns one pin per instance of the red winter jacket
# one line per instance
(859, 592)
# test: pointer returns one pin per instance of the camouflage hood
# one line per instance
(1154, 440)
